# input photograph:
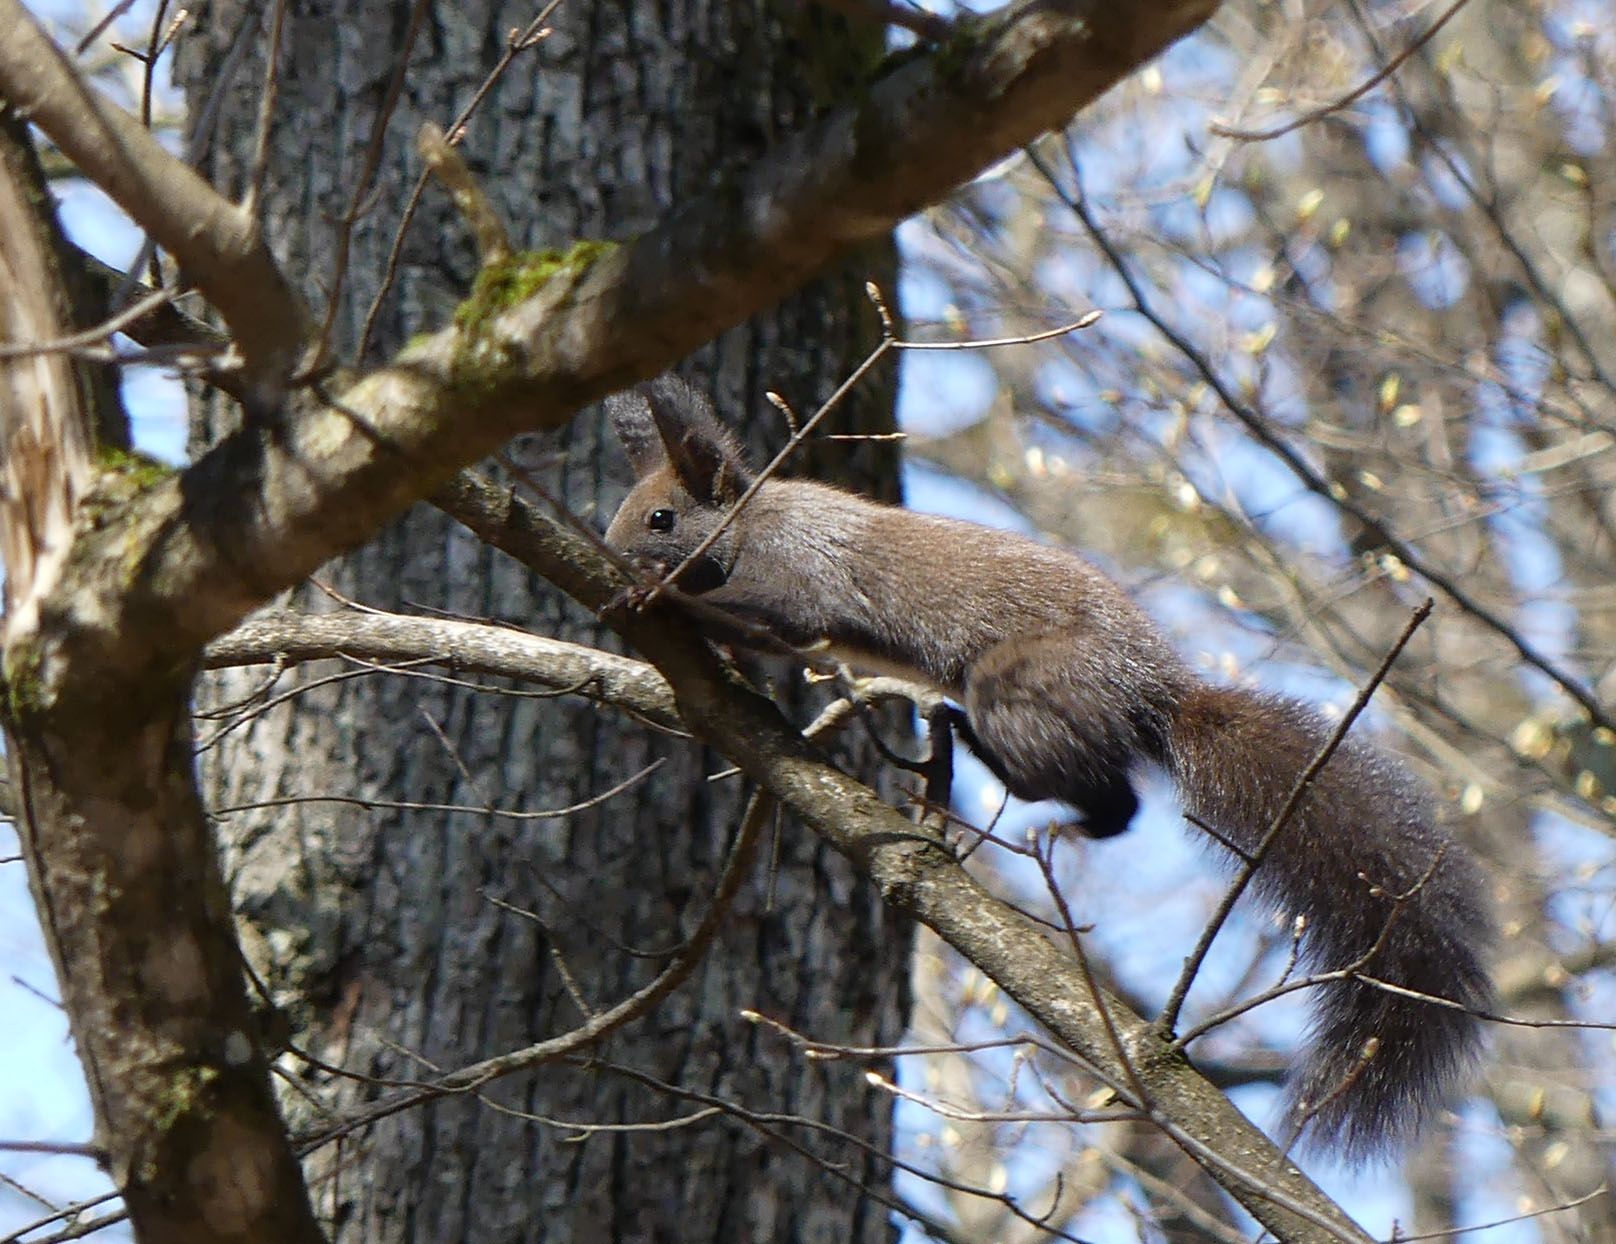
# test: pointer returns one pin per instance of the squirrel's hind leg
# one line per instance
(1105, 810)
(1054, 720)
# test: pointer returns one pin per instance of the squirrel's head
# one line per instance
(688, 473)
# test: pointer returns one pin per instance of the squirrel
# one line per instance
(1066, 686)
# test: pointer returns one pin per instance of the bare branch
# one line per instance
(266, 111)
(519, 41)
(465, 646)
(139, 310)
(219, 247)
(910, 17)
(443, 161)
(361, 188)
(1316, 481)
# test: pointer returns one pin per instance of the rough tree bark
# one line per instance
(383, 925)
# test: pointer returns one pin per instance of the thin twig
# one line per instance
(888, 343)
(66, 1148)
(259, 167)
(405, 805)
(1461, 171)
(1085, 320)
(564, 514)
(1351, 97)
(768, 1125)
(917, 21)
(100, 28)
(66, 1211)
(1374, 527)
(473, 1077)
(361, 190)
(962, 1114)
(530, 36)
(1349, 971)
(100, 332)
(1136, 1085)
(157, 38)
(1513, 1218)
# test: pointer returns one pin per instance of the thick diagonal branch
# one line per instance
(271, 503)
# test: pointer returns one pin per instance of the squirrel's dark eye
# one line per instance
(661, 520)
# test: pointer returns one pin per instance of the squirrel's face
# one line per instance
(690, 474)
(660, 524)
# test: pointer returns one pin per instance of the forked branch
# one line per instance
(218, 245)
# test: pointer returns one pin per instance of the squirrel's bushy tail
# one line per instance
(1361, 859)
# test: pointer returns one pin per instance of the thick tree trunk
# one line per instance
(381, 926)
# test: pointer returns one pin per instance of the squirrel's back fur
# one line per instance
(1066, 686)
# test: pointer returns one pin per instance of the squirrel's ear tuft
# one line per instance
(630, 415)
(701, 451)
